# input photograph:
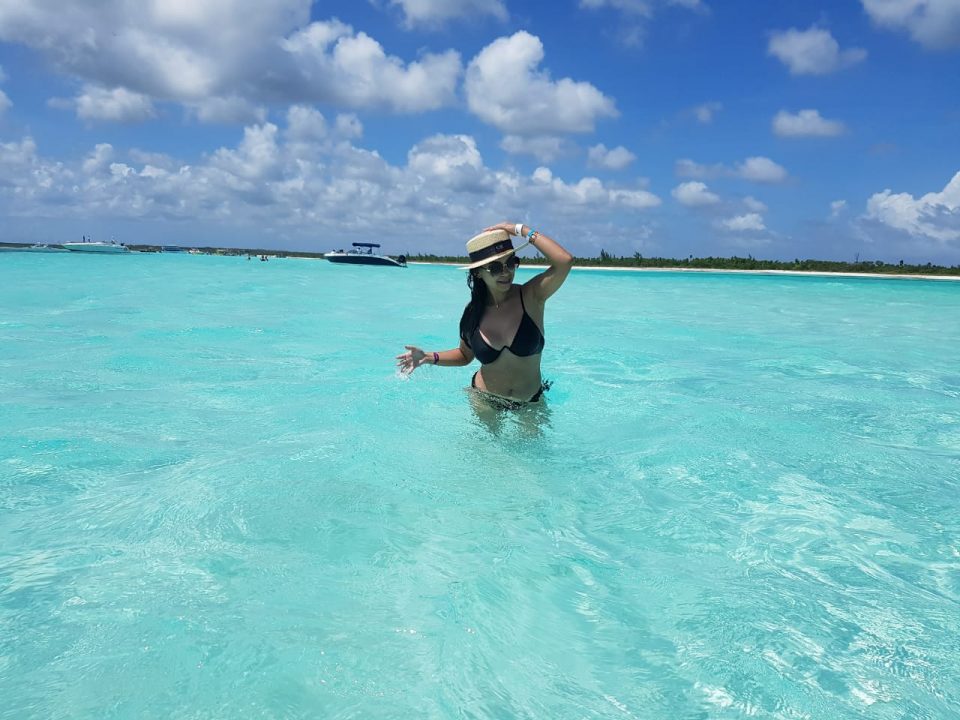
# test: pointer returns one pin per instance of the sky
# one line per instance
(779, 129)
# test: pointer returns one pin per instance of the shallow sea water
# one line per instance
(219, 500)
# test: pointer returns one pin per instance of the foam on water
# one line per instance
(218, 499)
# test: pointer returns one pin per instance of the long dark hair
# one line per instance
(473, 312)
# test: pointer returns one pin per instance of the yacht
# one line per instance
(96, 246)
(363, 254)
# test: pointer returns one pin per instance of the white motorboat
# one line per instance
(363, 254)
(96, 246)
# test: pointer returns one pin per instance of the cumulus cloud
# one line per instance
(453, 160)
(616, 159)
(812, 52)
(837, 207)
(690, 169)
(229, 110)
(352, 69)
(754, 169)
(751, 222)
(115, 104)
(934, 216)
(761, 170)
(704, 113)
(544, 147)
(636, 13)
(806, 123)
(934, 24)
(754, 205)
(437, 12)
(266, 52)
(295, 182)
(506, 89)
(5, 103)
(588, 191)
(694, 194)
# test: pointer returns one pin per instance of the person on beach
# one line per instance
(502, 325)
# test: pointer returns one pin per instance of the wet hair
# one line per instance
(473, 312)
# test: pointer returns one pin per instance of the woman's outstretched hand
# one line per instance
(411, 360)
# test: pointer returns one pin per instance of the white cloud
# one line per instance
(705, 112)
(635, 13)
(616, 159)
(265, 52)
(116, 104)
(694, 194)
(837, 207)
(3, 75)
(755, 169)
(752, 222)
(505, 89)
(812, 52)
(352, 69)
(934, 216)
(688, 168)
(754, 205)
(761, 169)
(437, 12)
(806, 123)
(291, 187)
(932, 23)
(588, 191)
(634, 7)
(452, 159)
(544, 147)
(233, 110)
(5, 103)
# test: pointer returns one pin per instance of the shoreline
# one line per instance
(818, 273)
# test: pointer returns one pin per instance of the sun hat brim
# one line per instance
(494, 258)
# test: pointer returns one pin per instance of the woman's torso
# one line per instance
(515, 326)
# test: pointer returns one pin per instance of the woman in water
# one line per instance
(502, 325)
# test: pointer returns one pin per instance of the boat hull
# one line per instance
(358, 259)
(93, 247)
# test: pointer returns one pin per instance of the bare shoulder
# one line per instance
(543, 285)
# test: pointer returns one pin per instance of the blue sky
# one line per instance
(780, 129)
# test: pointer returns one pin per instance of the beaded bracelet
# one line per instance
(532, 236)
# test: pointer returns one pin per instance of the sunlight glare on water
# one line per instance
(219, 499)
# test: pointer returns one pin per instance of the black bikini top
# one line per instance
(527, 341)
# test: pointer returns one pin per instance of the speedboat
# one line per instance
(363, 254)
(97, 246)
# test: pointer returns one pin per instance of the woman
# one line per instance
(502, 325)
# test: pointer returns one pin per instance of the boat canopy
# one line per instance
(367, 245)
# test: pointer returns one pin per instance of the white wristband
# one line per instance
(518, 229)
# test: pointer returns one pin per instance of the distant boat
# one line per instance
(98, 246)
(363, 254)
(172, 249)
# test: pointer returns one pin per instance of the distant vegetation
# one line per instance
(731, 263)
(637, 260)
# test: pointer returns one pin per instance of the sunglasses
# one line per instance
(497, 267)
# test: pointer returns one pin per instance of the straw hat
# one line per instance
(489, 246)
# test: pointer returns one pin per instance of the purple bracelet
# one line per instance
(436, 358)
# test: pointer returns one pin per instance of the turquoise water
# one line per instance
(218, 499)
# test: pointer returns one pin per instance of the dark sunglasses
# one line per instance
(497, 267)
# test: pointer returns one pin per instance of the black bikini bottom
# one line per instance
(510, 403)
